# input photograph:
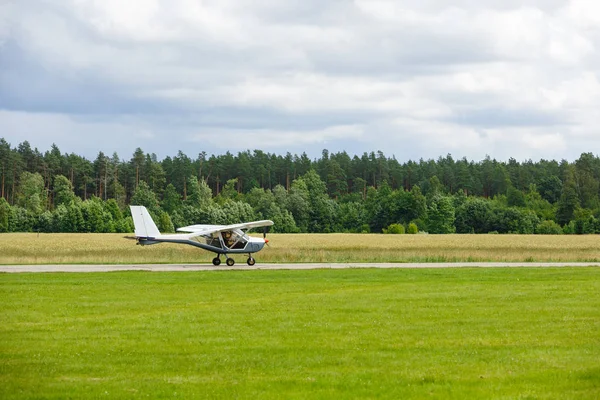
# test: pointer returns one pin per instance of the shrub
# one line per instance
(421, 226)
(548, 228)
(164, 223)
(395, 229)
(124, 225)
(441, 215)
(4, 214)
(570, 228)
(20, 220)
(412, 229)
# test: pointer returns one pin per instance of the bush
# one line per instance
(4, 215)
(412, 229)
(569, 229)
(395, 229)
(441, 215)
(164, 223)
(45, 222)
(20, 220)
(548, 228)
(474, 216)
(421, 226)
(124, 225)
(585, 222)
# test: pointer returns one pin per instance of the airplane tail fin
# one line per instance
(144, 225)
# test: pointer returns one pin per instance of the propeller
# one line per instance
(266, 229)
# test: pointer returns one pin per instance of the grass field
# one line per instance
(27, 248)
(411, 334)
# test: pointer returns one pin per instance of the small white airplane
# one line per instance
(220, 239)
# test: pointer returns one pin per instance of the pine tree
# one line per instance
(569, 200)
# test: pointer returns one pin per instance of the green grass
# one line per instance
(64, 248)
(411, 334)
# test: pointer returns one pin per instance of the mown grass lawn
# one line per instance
(411, 334)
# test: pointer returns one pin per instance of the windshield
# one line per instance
(235, 239)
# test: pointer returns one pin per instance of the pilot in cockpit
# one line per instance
(227, 237)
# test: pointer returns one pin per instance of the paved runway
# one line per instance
(209, 267)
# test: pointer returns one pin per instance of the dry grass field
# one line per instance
(31, 248)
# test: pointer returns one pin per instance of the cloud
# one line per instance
(415, 79)
(277, 140)
(81, 136)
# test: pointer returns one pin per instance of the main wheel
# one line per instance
(216, 261)
(230, 262)
(251, 261)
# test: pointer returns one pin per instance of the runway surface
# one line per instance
(244, 267)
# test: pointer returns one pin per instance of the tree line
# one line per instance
(337, 192)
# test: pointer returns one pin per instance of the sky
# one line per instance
(412, 78)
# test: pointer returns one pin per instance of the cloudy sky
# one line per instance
(413, 78)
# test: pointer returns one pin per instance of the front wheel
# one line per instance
(216, 261)
(230, 262)
(251, 261)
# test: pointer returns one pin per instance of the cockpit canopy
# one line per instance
(233, 239)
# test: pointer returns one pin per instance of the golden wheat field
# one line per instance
(62, 248)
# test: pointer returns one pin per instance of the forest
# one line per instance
(337, 192)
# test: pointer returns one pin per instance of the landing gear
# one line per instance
(231, 262)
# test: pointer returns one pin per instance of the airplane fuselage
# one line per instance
(219, 246)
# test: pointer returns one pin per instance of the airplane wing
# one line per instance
(200, 228)
(208, 229)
